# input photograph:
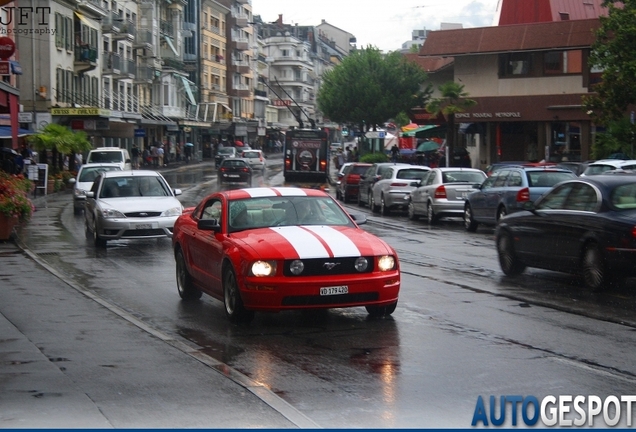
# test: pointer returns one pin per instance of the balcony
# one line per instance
(241, 66)
(240, 90)
(173, 63)
(127, 32)
(143, 40)
(241, 20)
(128, 69)
(144, 75)
(247, 2)
(240, 43)
(85, 58)
(111, 64)
(166, 28)
(111, 23)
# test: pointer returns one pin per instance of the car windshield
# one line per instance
(462, 177)
(105, 157)
(623, 197)
(226, 150)
(250, 154)
(234, 163)
(134, 186)
(285, 211)
(598, 169)
(89, 174)
(547, 178)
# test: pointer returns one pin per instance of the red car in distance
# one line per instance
(275, 249)
(349, 183)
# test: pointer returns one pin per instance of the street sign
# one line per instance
(375, 134)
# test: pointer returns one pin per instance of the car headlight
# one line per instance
(175, 211)
(79, 193)
(112, 213)
(361, 264)
(263, 268)
(386, 263)
(296, 267)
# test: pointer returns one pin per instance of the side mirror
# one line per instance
(177, 192)
(90, 194)
(359, 218)
(416, 183)
(72, 180)
(529, 206)
(209, 225)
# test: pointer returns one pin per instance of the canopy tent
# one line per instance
(5, 132)
(423, 131)
(390, 140)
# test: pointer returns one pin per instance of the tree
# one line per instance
(454, 100)
(369, 88)
(614, 52)
(61, 141)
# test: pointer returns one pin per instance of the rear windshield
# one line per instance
(89, 174)
(250, 154)
(624, 197)
(598, 169)
(358, 169)
(462, 177)
(226, 150)
(411, 174)
(105, 157)
(547, 178)
(234, 163)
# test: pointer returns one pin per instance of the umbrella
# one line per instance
(409, 127)
(189, 145)
(9, 151)
(428, 146)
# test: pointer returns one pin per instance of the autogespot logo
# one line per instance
(563, 410)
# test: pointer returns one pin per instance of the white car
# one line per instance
(110, 155)
(604, 165)
(130, 205)
(255, 158)
(84, 182)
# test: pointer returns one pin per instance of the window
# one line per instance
(562, 62)
(515, 64)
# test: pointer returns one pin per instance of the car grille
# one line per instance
(143, 214)
(144, 233)
(329, 300)
(320, 266)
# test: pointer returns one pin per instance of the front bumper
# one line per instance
(136, 228)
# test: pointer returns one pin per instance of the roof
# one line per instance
(429, 64)
(522, 37)
(524, 11)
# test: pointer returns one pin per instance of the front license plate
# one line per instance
(336, 290)
(143, 226)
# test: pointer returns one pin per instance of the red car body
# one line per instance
(215, 257)
(350, 182)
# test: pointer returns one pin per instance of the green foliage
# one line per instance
(402, 119)
(370, 87)
(374, 158)
(60, 138)
(614, 52)
(617, 139)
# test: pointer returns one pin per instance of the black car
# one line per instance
(583, 226)
(235, 171)
(222, 153)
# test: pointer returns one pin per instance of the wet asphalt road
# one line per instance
(461, 329)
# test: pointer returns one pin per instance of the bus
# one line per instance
(306, 156)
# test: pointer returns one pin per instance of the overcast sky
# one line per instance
(386, 27)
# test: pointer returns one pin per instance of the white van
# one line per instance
(110, 155)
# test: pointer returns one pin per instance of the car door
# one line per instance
(493, 196)
(365, 181)
(89, 206)
(205, 250)
(477, 199)
(386, 177)
(422, 192)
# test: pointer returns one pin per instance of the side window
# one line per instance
(212, 210)
(490, 181)
(514, 179)
(431, 178)
(582, 198)
(555, 199)
(501, 178)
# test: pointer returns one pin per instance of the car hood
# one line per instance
(310, 241)
(137, 204)
(85, 186)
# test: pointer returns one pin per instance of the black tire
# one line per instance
(232, 300)
(469, 221)
(510, 264)
(185, 287)
(384, 209)
(77, 211)
(97, 240)
(360, 202)
(411, 211)
(501, 213)
(345, 197)
(372, 206)
(593, 270)
(431, 217)
(379, 311)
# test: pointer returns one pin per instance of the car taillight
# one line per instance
(634, 232)
(323, 165)
(523, 195)
(353, 179)
(399, 184)
(245, 169)
(440, 192)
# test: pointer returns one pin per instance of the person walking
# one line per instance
(395, 153)
(160, 155)
(134, 151)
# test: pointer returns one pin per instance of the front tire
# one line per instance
(372, 205)
(384, 209)
(97, 240)
(411, 212)
(469, 221)
(379, 311)
(501, 213)
(186, 288)
(593, 270)
(234, 308)
(510, 264)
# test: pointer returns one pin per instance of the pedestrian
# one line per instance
(395, 153)
(134, 151)
(160, 154)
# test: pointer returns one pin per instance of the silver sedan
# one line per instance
(130, 205)
(392, 191)
(443, 193)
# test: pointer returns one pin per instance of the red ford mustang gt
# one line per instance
(273, 249)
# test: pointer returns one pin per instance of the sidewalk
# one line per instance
(68, 359)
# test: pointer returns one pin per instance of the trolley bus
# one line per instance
(306, 156)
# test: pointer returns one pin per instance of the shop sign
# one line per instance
(5, 68)
(25, 117)
(488, 115)
(140, 132)
(80, 111)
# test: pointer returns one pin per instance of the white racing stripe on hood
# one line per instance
(305, 243)
(260, 192)
(339, 243)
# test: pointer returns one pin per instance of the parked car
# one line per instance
(507, 190)
(393, 190)
(347, 187)
(84, 182)
(604, 165)
(339, 176)
(576, 167)
(110, 155)
(583, 226)
(255, 158)
(496, 166)
(443, 192)
(130, 205)
(234, 171)
(369, 178)
(251, 252)
(222, 153)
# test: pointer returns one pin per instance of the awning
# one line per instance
(188, 89)
(171, 44)
(414, 132)
(226, 107)
(5, 132)
(85, 21)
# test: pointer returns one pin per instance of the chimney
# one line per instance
(280, 20)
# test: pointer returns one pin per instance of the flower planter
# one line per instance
(6, 226)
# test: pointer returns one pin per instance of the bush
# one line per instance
(374, 158)
(14, 200)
